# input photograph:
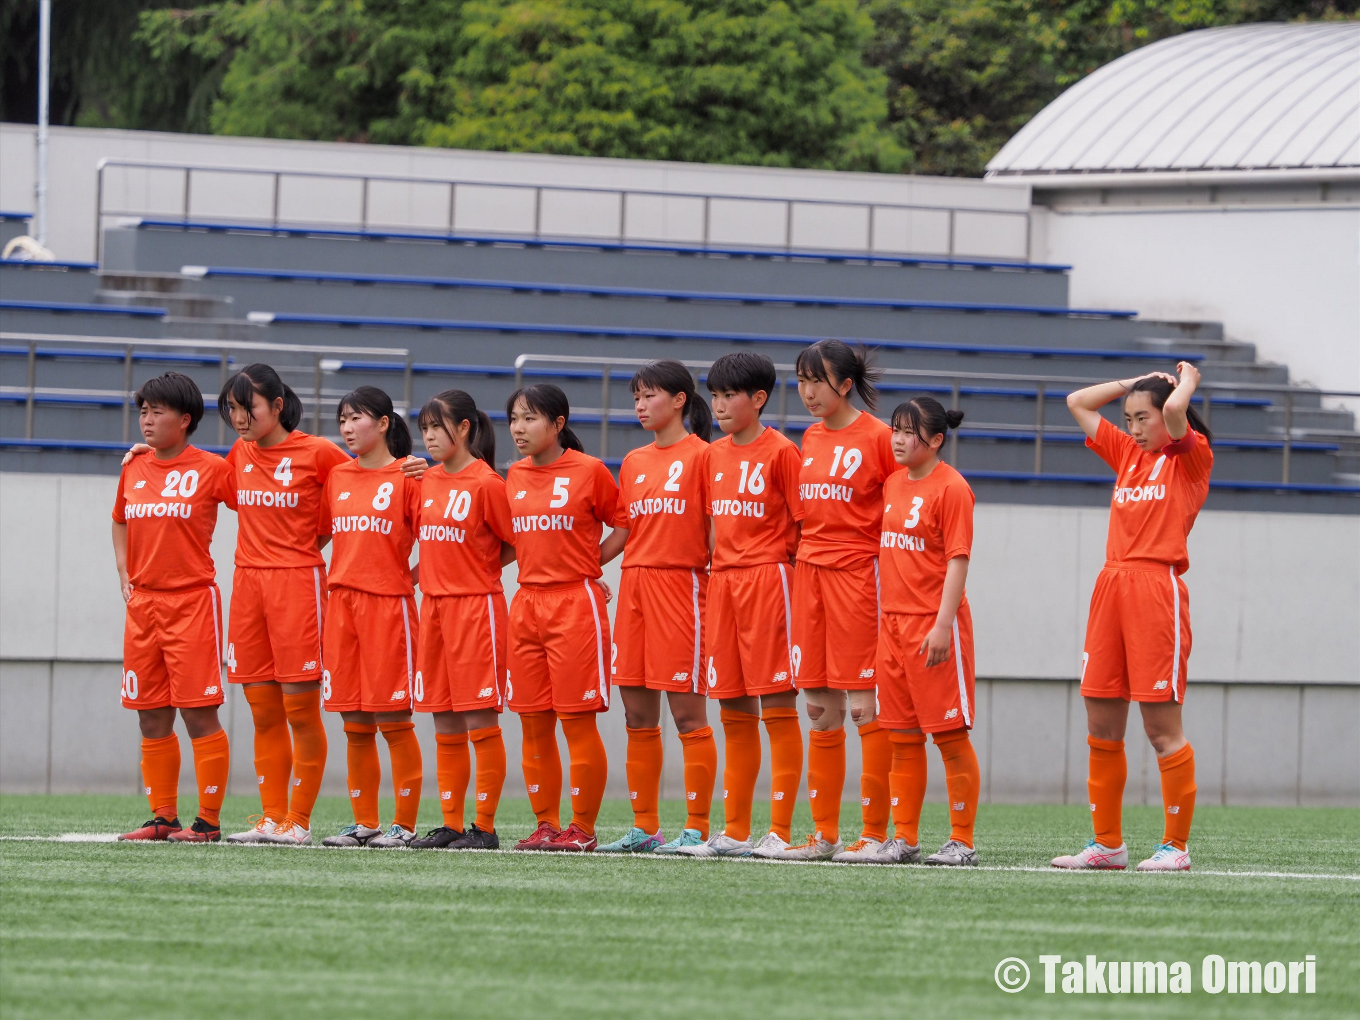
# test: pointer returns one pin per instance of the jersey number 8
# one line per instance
(384, 497)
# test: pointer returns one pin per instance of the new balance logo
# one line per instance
(259, 779)
(141, 484)
(632, 795)
(866, 674)
(1174, 809)
(679, 678)
(952, 713)
(209, 789)
(533, 789)
(691, 795)
(778, 795)
(343, 495)
(718, 477)
(779, 678)
(405, 791)
(209, 691)
(297, 782)
(576, 791)
(248, 468)
(485, 692)
(309, 666)
(864, 802)
(398, 695)
(446, 795)
(429, 502)
(958, 805)
(812, 795)
(481, 796)
(355, 794)
(1160, 685)
(808, 462)
(521, 494)
(640, 479)
(588, 696)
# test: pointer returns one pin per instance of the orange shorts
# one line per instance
(370, 652)
(658, 630)
(750, 612)
(559, 638)
(461, 666)
(172, 649)
(835, 626)
(274, 631)
(911, 697)
(1137, 635)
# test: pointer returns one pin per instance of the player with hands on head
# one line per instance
(662, 529)
(1138, 636)
(163, 521)
(372, 512)
(465, 537)
(926, 676)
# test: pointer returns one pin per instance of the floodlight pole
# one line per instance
(44, 74)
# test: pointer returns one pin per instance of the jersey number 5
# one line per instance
(560, 491)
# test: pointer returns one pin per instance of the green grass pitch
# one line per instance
(98, 929)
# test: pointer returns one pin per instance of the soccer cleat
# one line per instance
(870, 851)
(954, 854)
(351, 836)
(395, 838)
(814, 848)
(1095, 857)
(538, 839)
(690, 837)
(288, 834)
(1166, 858)
(436, 839)
(256, 833)
(720, 844)
(153, 829)
(199, 832)
(769, 847)
(635, 841)
(573, 839)
(476, 839)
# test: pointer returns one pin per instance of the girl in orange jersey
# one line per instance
(370, 639)
(560, 500)
(925, 643)
(460, 673)
(847, 456)
(1138, 633)
(662, 529)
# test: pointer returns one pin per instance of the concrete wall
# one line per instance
(75, 152)
(1274, 706)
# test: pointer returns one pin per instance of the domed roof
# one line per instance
(1247, 97)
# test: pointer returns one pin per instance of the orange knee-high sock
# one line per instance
(160, 775)
(1105, 784)
(875, 751)
(907, 783)
(786, 767)
(452, 769)
(644, 776)
(309, 753)
(212, 768)
(826, 781)
(741, 747)
(963, 780)
(589, 768)
(701, 768)
(542, 766)
(1178, 794)
(363, 772)
(273, 748)
(407, 770)
(490, 747)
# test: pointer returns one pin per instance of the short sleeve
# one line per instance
(956, 519)
(606, 505)
(323, 515)
(226, 489)
(1111, 444)
(790, 463)
(119, 512)
(621, 518)
(885, 454)
(496, 508)
(328, 458)
(412, 494)
(1194, 456)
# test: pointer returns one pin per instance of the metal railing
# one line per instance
(786, 377)
(325, 361)
(619, 231)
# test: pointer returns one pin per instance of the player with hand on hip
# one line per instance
(1138, 631)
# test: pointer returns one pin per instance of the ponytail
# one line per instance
(926, 418)
(549, 401)
(1158, 389)
(835, 358)
(373, 402)
(674, 378)
(261, 379)
(448, 409)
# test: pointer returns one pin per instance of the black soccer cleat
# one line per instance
(477, 839)
(436, 839)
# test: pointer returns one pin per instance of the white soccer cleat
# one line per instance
(1096, 857)
(954, 854)
(395, 838)
(770, 847)
(1166, 858)
(814, 848)
(871, 851)
(255, 834)
(719, 845)
(288, 834)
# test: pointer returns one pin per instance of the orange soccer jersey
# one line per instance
(558, 514)
(835, 585)
(658, 632)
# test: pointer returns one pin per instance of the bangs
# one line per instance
(811, 365)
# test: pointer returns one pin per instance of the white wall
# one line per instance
(75, 152)
(1285, 279)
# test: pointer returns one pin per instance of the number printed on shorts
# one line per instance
(673, 482)
(560, 492)
(284, 472)
(185, 484)
(231, 657)
(325, 685)
(129, 690)
(459, 505)
(755, 484)
(613, 659)
(384, 497)
(853, 459)
(418, 689)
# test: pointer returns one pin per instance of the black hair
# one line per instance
(377, 405)
(925, 417)
(448, 409)
(176, 391)
(1158, 389)
(262, 379)
(675, 379)
(549, 401)
(827, 358)
(743, 372)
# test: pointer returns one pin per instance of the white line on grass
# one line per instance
(110, 837)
